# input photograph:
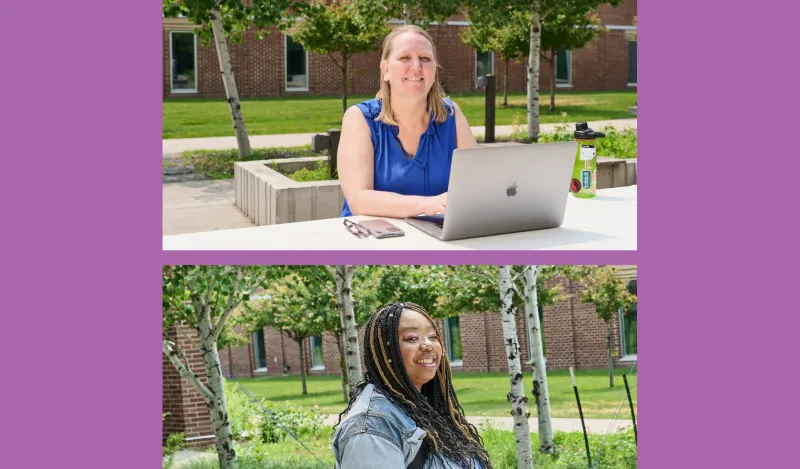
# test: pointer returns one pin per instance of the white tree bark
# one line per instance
(517, 398)
(218, 407)
(239, 128)
(406, 14)
(610, 356)
(540, 390)
(533, 73)
(343, 276)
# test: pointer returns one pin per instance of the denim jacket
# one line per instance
(377, 434)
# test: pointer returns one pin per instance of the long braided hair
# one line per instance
(435, 408)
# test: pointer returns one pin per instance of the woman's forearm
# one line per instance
(386, 204)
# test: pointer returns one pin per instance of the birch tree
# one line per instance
(343, 276)
(516, 396)
(568, 25)
(203, 297)
(536, 11)
(419, 12)
(223, 20)
(507, 36)
(541, 393)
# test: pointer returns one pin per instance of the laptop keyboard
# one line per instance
(436, 220)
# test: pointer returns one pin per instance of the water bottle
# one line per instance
(584, 175)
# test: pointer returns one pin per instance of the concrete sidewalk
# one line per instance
(600, 426)
(194, 206)
(173, 147)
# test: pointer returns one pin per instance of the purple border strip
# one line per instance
(399, 257)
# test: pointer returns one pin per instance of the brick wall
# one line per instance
(259, 65)
(188, 412)
(574, 336)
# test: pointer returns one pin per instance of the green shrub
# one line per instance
(249, 422)
(174, 443)
(320, 173)
(218, 164)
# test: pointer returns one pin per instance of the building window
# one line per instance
(183, 63)
(530, 336)
(316, 353)
(632, 45)
(452, 336)
(484, 65)
(564, 68)
(628, 326)
(296, 66)
(259, 350)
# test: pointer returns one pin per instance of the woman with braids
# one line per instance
(405, 414)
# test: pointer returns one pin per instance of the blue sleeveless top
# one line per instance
(427, 173)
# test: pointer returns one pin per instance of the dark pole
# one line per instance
(333, 152)
(630, 403)
(491, 90)
(580, 411)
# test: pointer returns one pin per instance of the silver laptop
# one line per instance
(504, 189)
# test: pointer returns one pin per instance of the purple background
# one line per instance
(82, 237)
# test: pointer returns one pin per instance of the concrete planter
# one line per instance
(268, 197)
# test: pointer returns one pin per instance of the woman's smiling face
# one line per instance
(420, 347)
(410, 67)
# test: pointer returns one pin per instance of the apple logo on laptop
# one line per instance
(512, 190)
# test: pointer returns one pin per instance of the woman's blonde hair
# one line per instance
(436, 93)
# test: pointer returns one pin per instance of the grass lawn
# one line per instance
(619, 452)
(201, 117)
(481, 394)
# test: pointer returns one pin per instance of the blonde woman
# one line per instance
(395, 150)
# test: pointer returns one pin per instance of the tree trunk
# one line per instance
(342, 366)
(505, 85)
(345, 80)
(343, 275)
(302, 365)
(553, 81)
(517, 398)
(540, 390)
(406, 14)
(610, 357)
(217, 406)
(533, 74)
(239, 128)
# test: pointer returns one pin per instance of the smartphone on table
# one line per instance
(381, 228)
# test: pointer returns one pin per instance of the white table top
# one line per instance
(606, 222)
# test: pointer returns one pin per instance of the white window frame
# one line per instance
(632, 357)
(171, 77)
(256, 343)
(568, 83)
(491, 66)
(286, 87)
(447, 342)
(634, 85)
(316, 367)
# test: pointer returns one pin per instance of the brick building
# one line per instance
(277, 66)
(573, 336)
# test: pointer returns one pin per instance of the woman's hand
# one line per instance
(434, 205)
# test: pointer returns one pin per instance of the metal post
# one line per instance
(490, 95)
(580, 412)
(333, 152)
(630, 403)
